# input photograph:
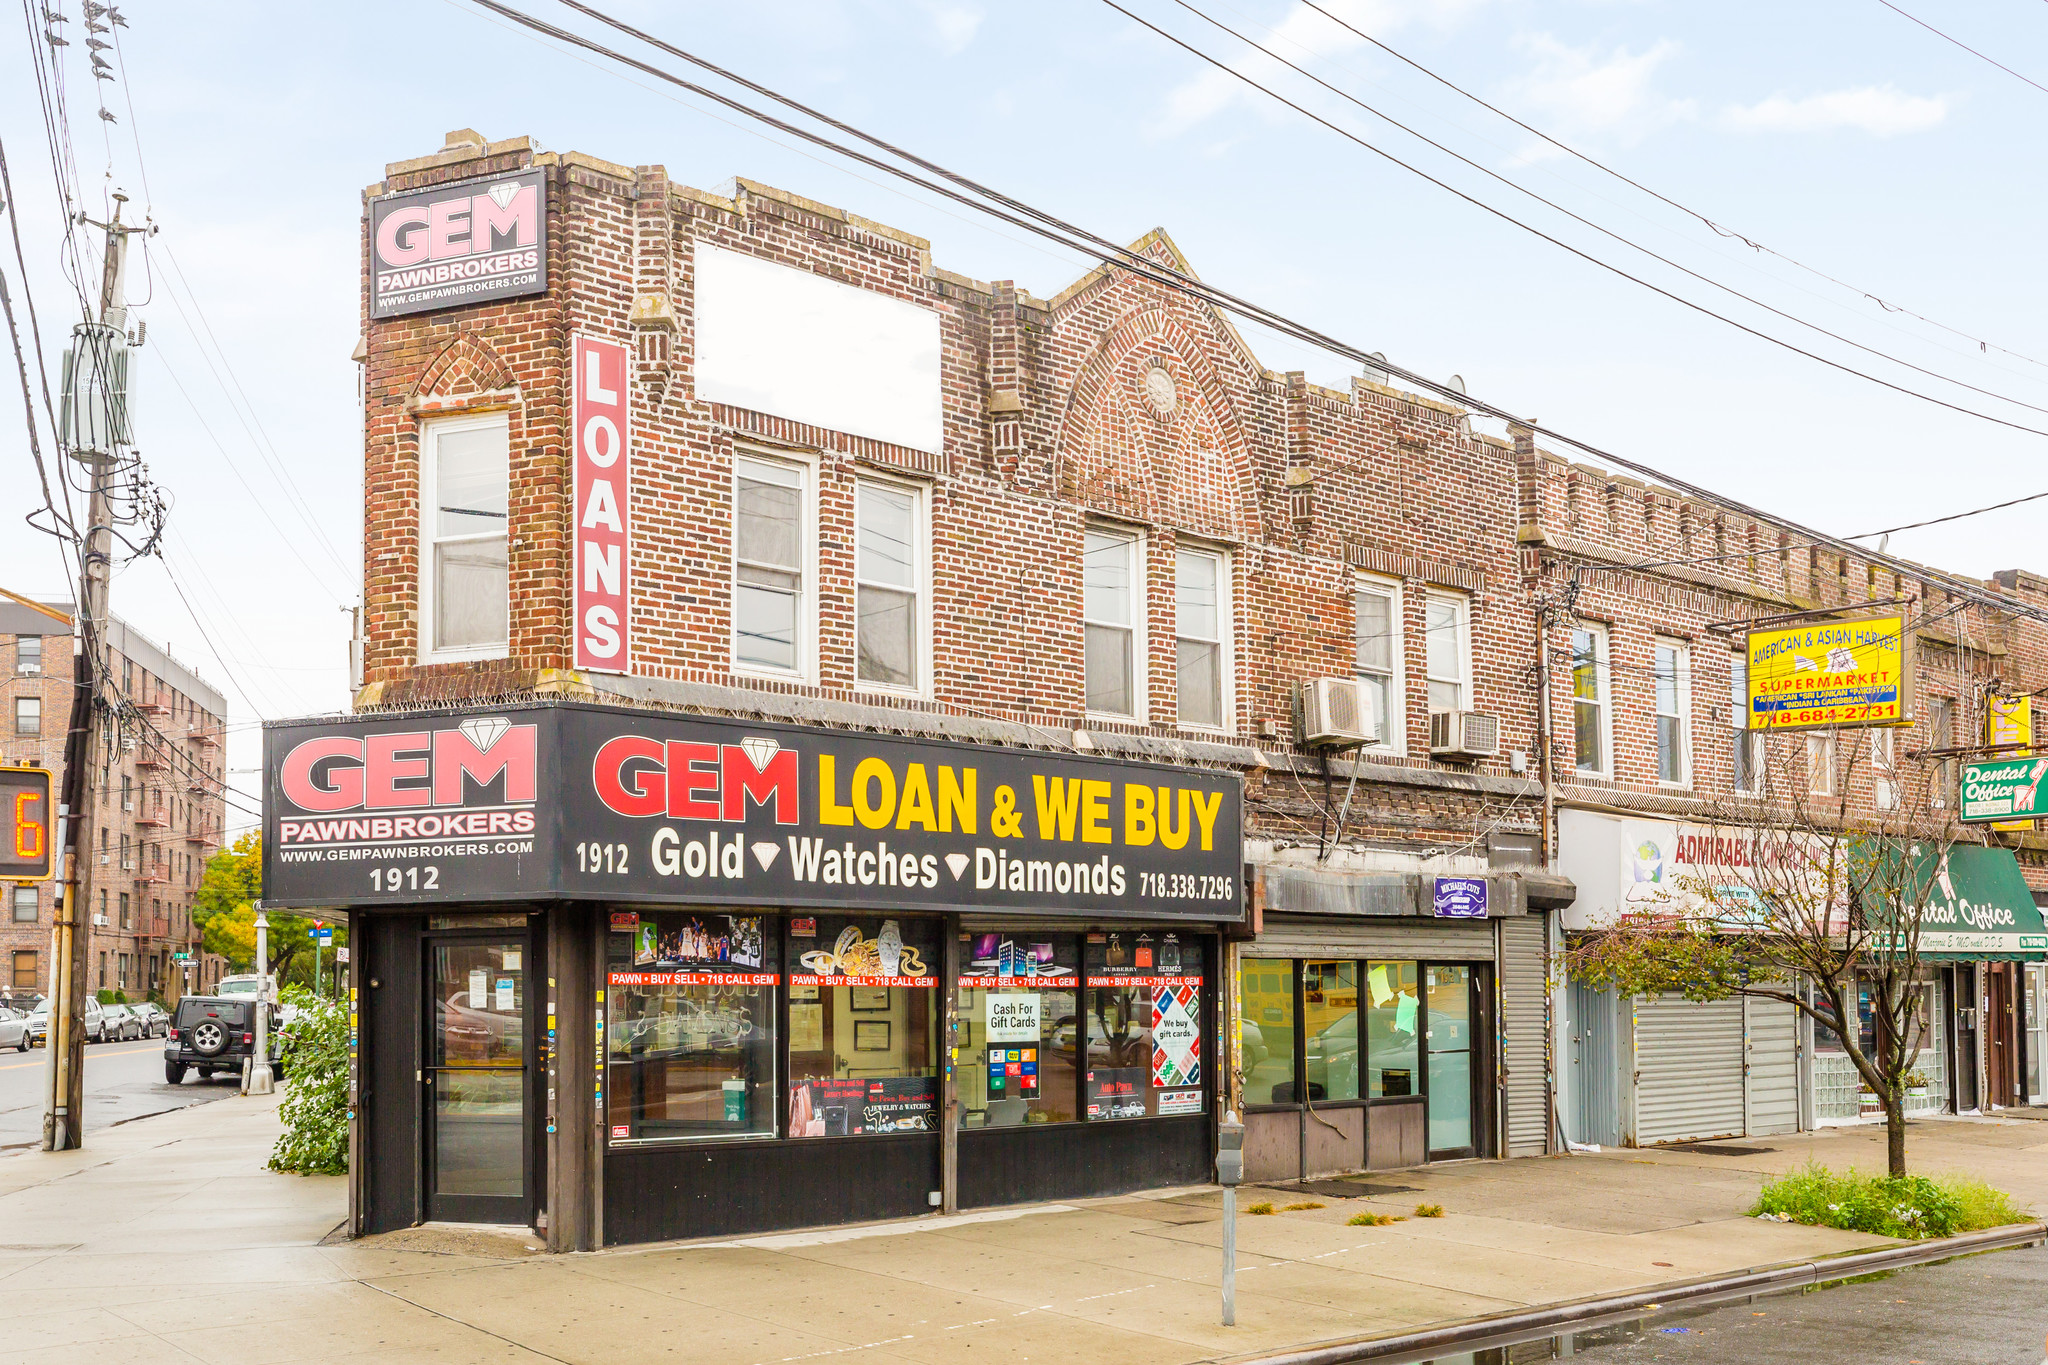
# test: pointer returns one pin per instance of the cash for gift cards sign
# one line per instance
(2005, 789)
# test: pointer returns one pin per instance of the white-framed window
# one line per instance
(889, 586)
(771, 598)
(1447, 652)
(1673, 675)
(1378, 630)
(1591, 721)
(1201, 613)
(465, 495)
(1745, 746)
(28, 715)
(1884, 768)
(1941, 734)
(1112, 592)
(1820, 765)
(28, 653)
(26, 905)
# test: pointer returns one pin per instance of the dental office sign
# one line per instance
(603, 487)
(468, 242)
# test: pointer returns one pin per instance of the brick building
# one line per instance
(158, 811)
(882, 513)
(1649, 590)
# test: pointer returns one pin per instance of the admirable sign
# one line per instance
(598, 803)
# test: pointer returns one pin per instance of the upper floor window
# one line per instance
(1884, 768)
(465, 595)
(1200, 614)
(1376, 634)
(888, 550)
(769, 559)
(26, 905)
(1821, 763)
(1745, 746)
(1941, 725)
(1590, 721)
(28, 715)
(1109, 595)
(1448, 653)
(28, 653)
(1674, 712)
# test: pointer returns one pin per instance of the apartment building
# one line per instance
(158, 808)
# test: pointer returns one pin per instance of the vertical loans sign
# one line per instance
(603, 503)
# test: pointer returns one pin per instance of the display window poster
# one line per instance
(1013, 1069)
(847, 1106)
(1116, 1092)
(664, 940)
(1044, 961)
(1142, 958)
(1011, 1017)
(1176, 1035)
(1180, 1102)
(870, 953)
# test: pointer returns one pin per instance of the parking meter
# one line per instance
(1229, 1151)
(1229, 1173)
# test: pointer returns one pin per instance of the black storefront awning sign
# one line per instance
(589, 802)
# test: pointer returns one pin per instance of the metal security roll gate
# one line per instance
(1772, 1049)
(1688, 1070)
(1395, 939)
(1525, 1030)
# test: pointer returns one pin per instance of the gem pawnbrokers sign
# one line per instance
(467, 242)
(2004, 789)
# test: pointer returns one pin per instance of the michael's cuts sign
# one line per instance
(589, 802)
(467, 242)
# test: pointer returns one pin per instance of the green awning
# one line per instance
(1979, 908)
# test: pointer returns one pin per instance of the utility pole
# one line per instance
(95, 432)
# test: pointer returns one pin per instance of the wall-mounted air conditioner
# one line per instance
(1338, 713)
(1463, 734)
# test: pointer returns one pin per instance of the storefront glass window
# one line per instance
(863, 1026)
(1266, 1029)
(1393, 1014)
(1144, 1026)
(690, 1035)
(1329, 1002)
(1020, 1028)
(1450, 1057)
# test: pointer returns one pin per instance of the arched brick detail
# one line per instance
(466, 370)
(1190, 470)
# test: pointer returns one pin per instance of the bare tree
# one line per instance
(1806, 897)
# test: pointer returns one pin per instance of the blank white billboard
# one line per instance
(790, 343)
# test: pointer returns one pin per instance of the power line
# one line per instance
(1580, 218)
(1964, 46)
(1665, 199)
(1070, 236)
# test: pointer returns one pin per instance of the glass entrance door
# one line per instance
(1448, 1043)
(476, 1158)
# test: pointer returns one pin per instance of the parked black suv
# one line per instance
(214, 1033)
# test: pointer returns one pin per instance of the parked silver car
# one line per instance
(119, 1023)
(14, 1029)
(154, 1020)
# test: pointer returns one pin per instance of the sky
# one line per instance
(1873, 159)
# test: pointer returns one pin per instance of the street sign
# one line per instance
(2004, 789)
(326, 938)
(25, 842)
(341, 954)
(181, 957)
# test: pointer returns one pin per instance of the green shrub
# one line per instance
(1908, 1206)
(1374, 1220)
(314, 1049)
(1262, 1208)
(1429, 1210)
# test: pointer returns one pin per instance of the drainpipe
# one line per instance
(1547, 776)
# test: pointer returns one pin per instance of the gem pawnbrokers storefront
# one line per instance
(625, 976)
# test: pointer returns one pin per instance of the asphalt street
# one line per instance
(1988, 1308)
(122, 1081)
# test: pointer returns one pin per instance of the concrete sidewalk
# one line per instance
(168, 1241)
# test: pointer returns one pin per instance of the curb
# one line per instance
(1530, 1324)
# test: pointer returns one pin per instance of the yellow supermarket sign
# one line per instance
(1827, 673)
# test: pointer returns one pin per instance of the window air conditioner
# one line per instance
(128, 863)
(1337, 713)
(1463, 734)
(99, 921)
